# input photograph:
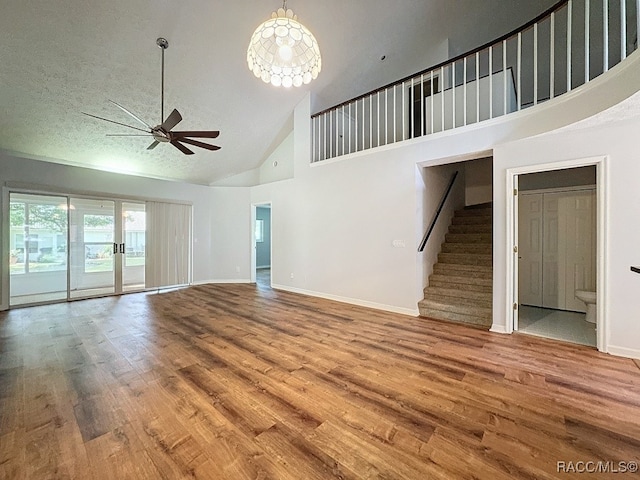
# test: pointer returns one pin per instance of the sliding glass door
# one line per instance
(134, 233)
(38, 228)
(93, 247)
(65, 247)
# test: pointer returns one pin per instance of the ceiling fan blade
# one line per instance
(131, 114)
(172, 120)
(181, 147)
(129, 135)
(197, 134)
(117, 123)
(196, 143)
(153, 145)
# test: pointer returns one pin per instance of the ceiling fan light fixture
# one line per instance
(284, 52)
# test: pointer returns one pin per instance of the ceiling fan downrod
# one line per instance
(163, 43)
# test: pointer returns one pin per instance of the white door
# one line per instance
(530, 249)
(557, 248)
(552, 273)
(580, 241)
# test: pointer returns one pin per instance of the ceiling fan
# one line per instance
(162, 133)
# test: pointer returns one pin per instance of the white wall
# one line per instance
(478, 181)
(83, 180)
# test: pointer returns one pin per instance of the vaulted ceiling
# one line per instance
(58, 59)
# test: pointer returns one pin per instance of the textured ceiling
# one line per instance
(60, 58)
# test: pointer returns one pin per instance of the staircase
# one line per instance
(460, 288)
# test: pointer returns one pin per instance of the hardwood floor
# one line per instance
(241, 382)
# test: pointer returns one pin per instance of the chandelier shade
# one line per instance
(284, 52)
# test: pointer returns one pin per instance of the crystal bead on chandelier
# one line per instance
(284, 52)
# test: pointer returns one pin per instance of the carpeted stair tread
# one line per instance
(469, 271)
(434, 293)
(461, 283)
(474, 212)
(481, 248)
(471, 228)
(440, 314)
(480, 238)
(465, 259)
(472, 220)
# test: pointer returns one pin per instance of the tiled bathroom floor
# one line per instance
(556, 324)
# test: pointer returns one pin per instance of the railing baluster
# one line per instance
(432, 97)
(586, 40)
(623, 30)
(371, 121)
(478, 87)
(403, 113)
(326, 137)
(355, 104)
(422, 115)
(331, 134)
(464, 91)
(453, 90)
(313, 140)
(350, 128)
(412, 108)
(343, 130)
(605, 34)
(395, 112)
(490, 83)
(535, 64)
(552, 55)
(519, 72)
(504, 75)
(386, 116)
(363, 145)
(442, 89)
(378, 126)
(569, 21)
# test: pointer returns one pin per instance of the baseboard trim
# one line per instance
(352, 301)
(497, 328)
(623, 352)
(224, 280)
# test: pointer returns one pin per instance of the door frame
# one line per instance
(602, 165)
(254, 244)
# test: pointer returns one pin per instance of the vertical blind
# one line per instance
(168, 244)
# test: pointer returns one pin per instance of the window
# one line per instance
(260, 231)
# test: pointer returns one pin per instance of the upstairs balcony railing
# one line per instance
(563, 48)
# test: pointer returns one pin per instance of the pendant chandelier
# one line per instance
(284, 52)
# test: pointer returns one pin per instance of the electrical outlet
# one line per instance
(291, 274)
(399, 244)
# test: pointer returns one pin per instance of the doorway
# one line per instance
(64, 247)
(261, 251)
(557, 220)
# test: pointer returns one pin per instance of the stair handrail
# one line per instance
(438, 211)
(635, 269)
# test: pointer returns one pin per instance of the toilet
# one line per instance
(589, 298)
